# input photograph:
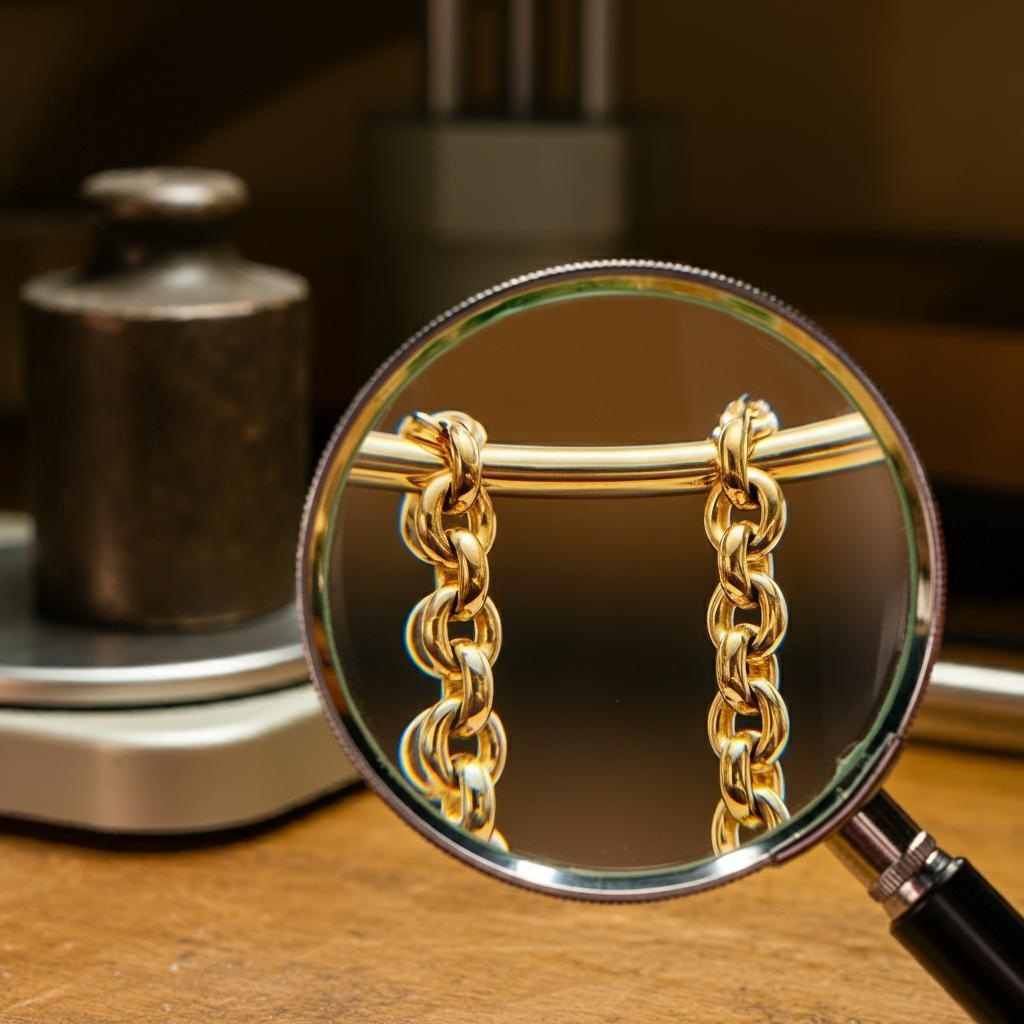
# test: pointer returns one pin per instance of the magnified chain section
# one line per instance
(454, 751)
(748, 724)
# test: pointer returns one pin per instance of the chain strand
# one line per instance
(449, 523)
(746, 665)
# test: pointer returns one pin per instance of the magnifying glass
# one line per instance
(620, 581)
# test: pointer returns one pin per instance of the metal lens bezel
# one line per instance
(862, 770)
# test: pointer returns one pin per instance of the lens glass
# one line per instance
(606, 672)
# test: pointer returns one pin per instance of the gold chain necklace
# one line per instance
(746, 665)
(450, 524)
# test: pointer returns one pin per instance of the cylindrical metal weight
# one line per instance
(168, 412)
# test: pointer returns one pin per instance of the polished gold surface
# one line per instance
(844, 442)
(746, 663)
(460, 782)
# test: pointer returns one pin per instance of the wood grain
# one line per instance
(346, 915)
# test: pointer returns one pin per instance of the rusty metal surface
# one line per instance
(51, 663)
(168, 392)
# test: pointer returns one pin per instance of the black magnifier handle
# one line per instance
(943, 911)
(969, 938)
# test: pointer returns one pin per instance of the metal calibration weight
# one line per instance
(168, 387)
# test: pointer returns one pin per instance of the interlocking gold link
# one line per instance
(746, 667)
(450, 524)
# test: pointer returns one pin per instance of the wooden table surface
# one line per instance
(344, 914)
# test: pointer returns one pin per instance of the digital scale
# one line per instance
(153, 732)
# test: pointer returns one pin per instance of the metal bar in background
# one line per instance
(446, 57)
(973, 704)
(600, 58)
(523, 57)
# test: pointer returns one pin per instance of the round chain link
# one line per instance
(746, 667)
(450, 524)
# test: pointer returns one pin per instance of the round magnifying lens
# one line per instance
(620, 581)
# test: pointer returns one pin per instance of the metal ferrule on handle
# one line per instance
(944, 913)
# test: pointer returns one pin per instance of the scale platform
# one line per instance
(144, 732)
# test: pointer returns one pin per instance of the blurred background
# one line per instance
(863, 161)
